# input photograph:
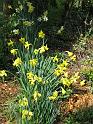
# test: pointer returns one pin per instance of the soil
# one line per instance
(8, 90)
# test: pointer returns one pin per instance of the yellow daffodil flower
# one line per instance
(33, 78)
(66, 74)
(43, 49)
(41, 34)
(27, 45)
(57, 72)
(3, 73)
(23, 102)
(39, 79)
(29, 75)
(46, 48)
(65, 81)
(73, 58)
(29, 116)
(27, 23)
(22, 40)
(30, 7)
(17, 62)
(26, 114)
(63, 91)
(36, 95)
(69, 53)
(36, 51)
(33, 62)
(21, 7)
(55, 59)
(65, 63)
(61, 68)
(82, 83)
(14, 51)
(54, 96)
(10, 43)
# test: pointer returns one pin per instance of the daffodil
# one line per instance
(32, 78)
(21, 7)
(33, 62)
(24, 113)
(41, 34)
(27, 45)
(55, 59)
(46, 48)
(27, 114)
(16, 31)
(17, 62)
(10, 43)
(44, 17)
(3, 73)
(65, 81)
(63, 91)
(61, 68)
(57, 72)
(39, 79)
(69, 53)
(73, 58)
(43, 49)
(36, 95)
(23, 102)
(65, 63)
(30, 114)
(30, 7)
(66, 74)
(82, 83)
(36, 51)
(27, 23)
(22, 40)
(29, 75)
(54, 96)
(75, 77)
(14, 51)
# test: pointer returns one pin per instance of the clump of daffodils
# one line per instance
(61, 68)
(41, 50)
